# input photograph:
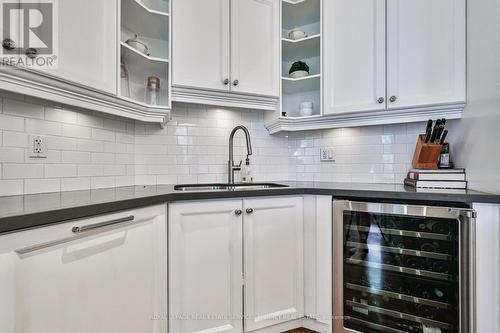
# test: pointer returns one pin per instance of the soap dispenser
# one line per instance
(247, 173)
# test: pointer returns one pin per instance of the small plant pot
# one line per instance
(298, 74)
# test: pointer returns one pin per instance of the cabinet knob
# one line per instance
(393, 99)
(8, 44)
(380, 100)
(226, 82)
(249, 210)
(238, 212)
(31, 53)
(236, 82)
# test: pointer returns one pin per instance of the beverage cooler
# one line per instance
(403, 268)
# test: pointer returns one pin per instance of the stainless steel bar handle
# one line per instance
(90, 227)
(80, 232)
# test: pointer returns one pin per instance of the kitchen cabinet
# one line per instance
(108, 278)
(212, 274)
(274, 265)
(201, 44)
(354, 56)
(87, 53)
(426, 50)
(425, 54)
(255, 47)
(87, 67)
(205, 266)
(226, 52)
(387, 62)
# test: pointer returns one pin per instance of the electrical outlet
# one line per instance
(38, 147)
(326, 155)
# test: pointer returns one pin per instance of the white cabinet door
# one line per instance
(274, 266)
(87, 37)
(205, 267)
(200, 39)
(354, 53)
(426, 52)
(107, 280)
(255, 37)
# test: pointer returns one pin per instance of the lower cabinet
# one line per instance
(108, 276)
(235, 265)
(274, 264)
(205, 267)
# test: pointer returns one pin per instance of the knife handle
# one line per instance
(428, 135)
(443, 138)
(439, 133)
(429, 125)
(434, 134)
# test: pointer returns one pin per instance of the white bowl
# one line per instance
(296, 34)
(299, 74)
(138, 45)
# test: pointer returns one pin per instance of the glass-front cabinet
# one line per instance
(402, 268)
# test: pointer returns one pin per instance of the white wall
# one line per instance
(477, 138)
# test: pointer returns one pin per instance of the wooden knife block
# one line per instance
(426, 154)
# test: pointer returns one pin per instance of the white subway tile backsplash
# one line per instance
(103, 158)
(75, 184)
(42, 185)
(76, 157)
(22, 109)
(11, 187)
(90, 170)
(61, 115)
(11, 123)
(60, 170)
(91, 150)
(102, 182)
(76, 131)
(22, 171)
(11, 155)
(15, 139)
(35, 126)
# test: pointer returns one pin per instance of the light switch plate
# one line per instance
(326, 155)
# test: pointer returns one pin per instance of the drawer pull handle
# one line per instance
(81, 232)
(85, 228)
(249, 210)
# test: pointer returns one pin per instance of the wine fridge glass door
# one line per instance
(399, 268)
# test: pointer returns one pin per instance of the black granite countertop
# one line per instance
(29, 211)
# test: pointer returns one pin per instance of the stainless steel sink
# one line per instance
(227, 187)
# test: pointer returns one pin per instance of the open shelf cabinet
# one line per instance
(304, 15)
(149, 20)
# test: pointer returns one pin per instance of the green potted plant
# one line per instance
(299, 69)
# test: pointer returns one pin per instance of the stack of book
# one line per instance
(440, 179)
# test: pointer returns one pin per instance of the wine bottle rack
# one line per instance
(400, 273)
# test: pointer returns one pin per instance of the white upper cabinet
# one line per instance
(201, 44)
(226, 52)
(255, 36)
(424, 55)
(274, 266)
(354, 53)
(426, 52)
(107, 279)
(205, 267)
(88, 39)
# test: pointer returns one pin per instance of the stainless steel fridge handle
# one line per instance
(80, 232)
